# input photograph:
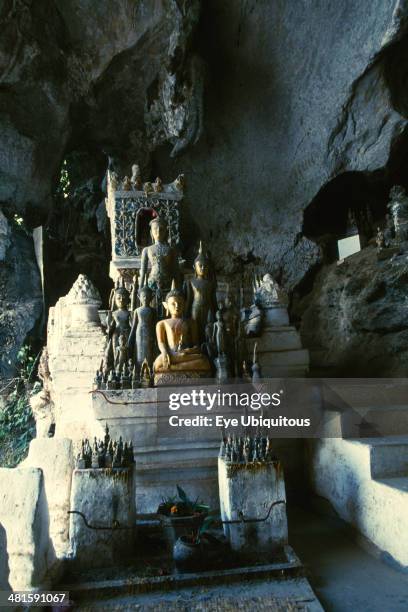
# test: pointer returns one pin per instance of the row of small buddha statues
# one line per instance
(179, 329)
(247, 449)
(106, 453)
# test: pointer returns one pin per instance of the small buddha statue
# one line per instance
(231, 323)
(125, 379)
(136, 178)
(142, 339)
(95, 457)
(107, 436)
(118, 320)
(379, 239)
(219, 333)
(121, 356)
(163, 261)
(135, 378)
(145, 375)
(201, 292)
(208, 345)
(178, 340)
(256, 370)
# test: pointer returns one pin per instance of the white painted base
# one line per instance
(366, 481)
(103, 496)
(251, 492)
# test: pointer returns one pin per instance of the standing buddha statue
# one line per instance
(141, 338)
(201, 292)
(162, 259)
(118, 322)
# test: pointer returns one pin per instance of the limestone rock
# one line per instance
(354, 321)
(67, 62)
(20, 298)
(298, 94)
(4, 236)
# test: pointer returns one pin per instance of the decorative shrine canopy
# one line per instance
(131, 205)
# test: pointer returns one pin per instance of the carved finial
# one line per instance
(136, 179)
(83, 292)
(173, 285)
(180, 183)
(200, 248)
(158, 185)
(147, 188)
(126, 185)
(113, 179)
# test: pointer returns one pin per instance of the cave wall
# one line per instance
(296, 95)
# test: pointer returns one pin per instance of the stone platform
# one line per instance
(168, 456)
(279, 348)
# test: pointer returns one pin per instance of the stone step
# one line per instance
(399, 483)
(284, 358)
(276, 339)
(298, 371)
(387, 421)
(389, 458)
(366, 481)
(279, 576)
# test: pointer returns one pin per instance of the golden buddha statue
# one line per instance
(178, 339)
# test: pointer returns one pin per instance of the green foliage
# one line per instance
(63, 188)
(20, 224)
(182, 505)
(17, 425)
(27, 363)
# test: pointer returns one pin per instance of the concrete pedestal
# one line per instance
(279, 348)
(106, 498)
(250, 490)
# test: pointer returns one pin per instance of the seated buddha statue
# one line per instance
(178, 340)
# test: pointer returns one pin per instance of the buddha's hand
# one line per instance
(187, 351)
(166, 359)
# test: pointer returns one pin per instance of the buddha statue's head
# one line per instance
(158, 229)
(201, 264)
(122, 298)
(174, 303)
(145, 295)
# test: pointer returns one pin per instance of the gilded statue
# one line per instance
(201, 292)
(178, 340)
(162, 259)
(142, 338)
